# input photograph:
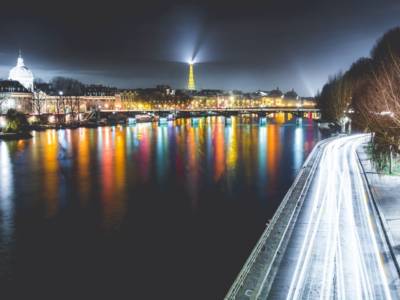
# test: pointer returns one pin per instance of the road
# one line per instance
(337, 249)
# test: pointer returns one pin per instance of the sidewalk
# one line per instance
(386, 192)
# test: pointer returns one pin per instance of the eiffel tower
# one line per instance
(191, 83)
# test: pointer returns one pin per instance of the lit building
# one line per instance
(191, 83)
(72, 98)
(22, 74)
(13, 95)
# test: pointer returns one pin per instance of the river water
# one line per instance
(144, 211)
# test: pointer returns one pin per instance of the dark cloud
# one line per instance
(249, 45)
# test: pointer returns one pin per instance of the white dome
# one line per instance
(22, 74)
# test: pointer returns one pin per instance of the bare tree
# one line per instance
(387, 91)
(73, 105)
(71, 89)
(335, 98)
(3, 99)
(59, 100)
(382, 110)
(370, 89)
(359, 75)
(382, 104)
(38, 102)
(78, 106)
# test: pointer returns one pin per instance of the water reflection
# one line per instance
(83, 165)
(219, 148)
(144, 154)
(232, 152)
(162, 152)
(192, 160)
(197, 185)
(6, 191)
(298, 147)
(273, 153)
(262, 159)
(51, 175)
(147, 153)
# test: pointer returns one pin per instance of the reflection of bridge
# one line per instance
(171, 113)
(239, 110)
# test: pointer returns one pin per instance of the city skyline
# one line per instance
(143, 45)
(21, 74)
(214, 149)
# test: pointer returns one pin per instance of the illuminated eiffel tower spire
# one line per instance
(191, 83)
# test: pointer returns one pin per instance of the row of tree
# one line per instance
(369, 94)
(62, 104)
(66, 102)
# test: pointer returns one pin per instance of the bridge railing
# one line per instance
(219, 109)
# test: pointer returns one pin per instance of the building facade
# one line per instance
(14, 96)
(70, 97)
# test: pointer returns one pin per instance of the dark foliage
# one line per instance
(372, 88)
(334, 98)
(16, 122)
(68, 86)
(386, 47)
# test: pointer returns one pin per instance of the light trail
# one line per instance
(343, 252)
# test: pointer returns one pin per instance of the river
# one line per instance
(143, 211)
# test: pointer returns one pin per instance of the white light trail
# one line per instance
(341, 252)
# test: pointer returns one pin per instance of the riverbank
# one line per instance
(385, 190)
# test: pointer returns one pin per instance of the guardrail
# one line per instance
(246, 269)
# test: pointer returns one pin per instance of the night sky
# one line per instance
(242, 45)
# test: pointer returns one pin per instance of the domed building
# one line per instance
(22, 74)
